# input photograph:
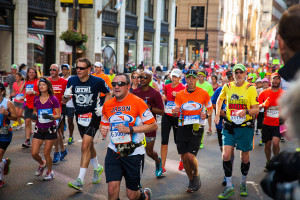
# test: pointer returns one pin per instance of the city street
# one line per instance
(22, 184)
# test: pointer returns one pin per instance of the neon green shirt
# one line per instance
(207, 87)
(111, 77)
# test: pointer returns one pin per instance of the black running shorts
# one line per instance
(4, 145)
(93, 127)
(268, 132)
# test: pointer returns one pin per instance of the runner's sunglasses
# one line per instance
(120, 84)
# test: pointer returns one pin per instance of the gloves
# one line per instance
(34, 116)
(47, 116)
(98, 110)
(68, 92)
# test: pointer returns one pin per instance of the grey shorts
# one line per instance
(150, 139)
(27, 112)
(18, 104)
(70, 111)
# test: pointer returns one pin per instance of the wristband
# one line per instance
(131, 129)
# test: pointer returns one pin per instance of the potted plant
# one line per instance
(73, 37)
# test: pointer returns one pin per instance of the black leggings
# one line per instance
(259, 120)
(166, 123)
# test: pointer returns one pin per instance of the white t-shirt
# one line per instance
(69, 104)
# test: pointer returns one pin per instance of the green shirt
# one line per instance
(262, 75)
(111, 77)
(207, 87)
(168, 81)
(254, 77)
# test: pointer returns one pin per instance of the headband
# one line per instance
(201, 73)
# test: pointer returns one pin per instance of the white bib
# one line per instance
(41, 119)
(236, 119)
(192, 119)
(273, 112)
(170, 107)
(29, 87)
(119, 138)
(85, 119)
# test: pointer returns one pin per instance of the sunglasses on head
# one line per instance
(192, 72)
(120, 84)
(240, 72)
(52, 69)
(143, 77)
(81, 68)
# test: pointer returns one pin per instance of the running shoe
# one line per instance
(282, 139)
(159, 169)
(77, 184)
(180, 167)
(6, 166)
(196, 182)
(70, 141)
(224, 182)
(244, 190)
(209, 132)
(261, 143)
(49, 176)
(201, 146)
(164, 172)
(2, 184)
(56, 157)
(26, 144)
(227, 192)
(147, 193)
(190, 188)
(40, 170)
(265, 168)
(97, 173)
(63, 154)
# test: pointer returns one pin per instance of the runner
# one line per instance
(19, 98)
(168, 121)
(70, 110)
(154, 101)
(86, 100)
(7, 113)
(202, 83)
(31, 90)
(46, 110)
(238, 130)
(190, 104)
(125, 153)
(135, 81)
(59, 86)
(11, 79)
(268, 100)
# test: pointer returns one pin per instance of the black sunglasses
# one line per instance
(81, 68)
(53, 70)
(120, 84)
(241, 72)
(191, 72)
(144, 77)
(135, 77)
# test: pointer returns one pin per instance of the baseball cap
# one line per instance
(191, 72)
(98, 64)
(65, 65)
(14, 66)
(265, 80)
(239, 66)
(274, 75)
(258, 80)
(176, 72)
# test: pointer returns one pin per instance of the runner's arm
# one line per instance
(108, 96)
(57, 113)
(12, 110)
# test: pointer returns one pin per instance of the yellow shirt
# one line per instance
(238, 98)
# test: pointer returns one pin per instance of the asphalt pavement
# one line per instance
(22, 183)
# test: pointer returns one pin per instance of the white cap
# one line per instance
(176, 72)
(98, 64)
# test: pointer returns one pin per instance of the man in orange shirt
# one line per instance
(190, 107)
(268, 99)
(99, 72)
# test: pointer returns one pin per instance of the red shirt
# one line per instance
(31, 86)
(271, 112)
(59, 88)
(168, 92)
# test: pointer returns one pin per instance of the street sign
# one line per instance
(66, 3)
(85, 3)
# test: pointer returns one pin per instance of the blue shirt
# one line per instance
(5, 122)
(86, 94)
(214, 99)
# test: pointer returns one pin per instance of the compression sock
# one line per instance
(244, 170)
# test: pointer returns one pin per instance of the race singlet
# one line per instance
(119, 138)
(85, 119)
(236, 119)
(40, 115)
(273, 112)
(29, 87)
(170, 105)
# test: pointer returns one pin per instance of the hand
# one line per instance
(241, 113)
(176, 111)
(98, 110)
(203, 115)
(68, 92)
(34, 116)
(3, 111)
(47, 116)
(30, 92)
(217, 119)
(104, 130)
(123, 129)
(266, 103)
(174, 93)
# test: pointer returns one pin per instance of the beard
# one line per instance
(275, 86)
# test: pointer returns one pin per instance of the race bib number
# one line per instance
(119, 138)
(192, 119)
(236, 119)
(19, 96)
(273, 112)
(29, 87)
(40, 115)
(85, 119)
(170, 107)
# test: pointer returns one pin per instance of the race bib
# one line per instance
(192, 119)
(85, 119)
(40, 117)
(119, 138)
(29, 87)
(4, 130)
(273, 112)
(19, 96)
(236, 119)
(170, 107)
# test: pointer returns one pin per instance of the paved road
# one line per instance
(22, 184)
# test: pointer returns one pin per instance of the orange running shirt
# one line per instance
(271, 112)
(106, 79)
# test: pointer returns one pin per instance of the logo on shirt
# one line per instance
(120, 117)
(191, 105)
(147, 113)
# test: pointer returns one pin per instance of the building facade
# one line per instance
(140, 31)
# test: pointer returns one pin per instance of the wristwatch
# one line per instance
(247, 112)
(131, 129)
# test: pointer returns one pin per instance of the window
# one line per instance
(5, 17)
(197, 16)
(148, 8)
(111, 5)
(109, 31)
(131, 6)
(40, 22)
(164, 10)
(175, 16)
